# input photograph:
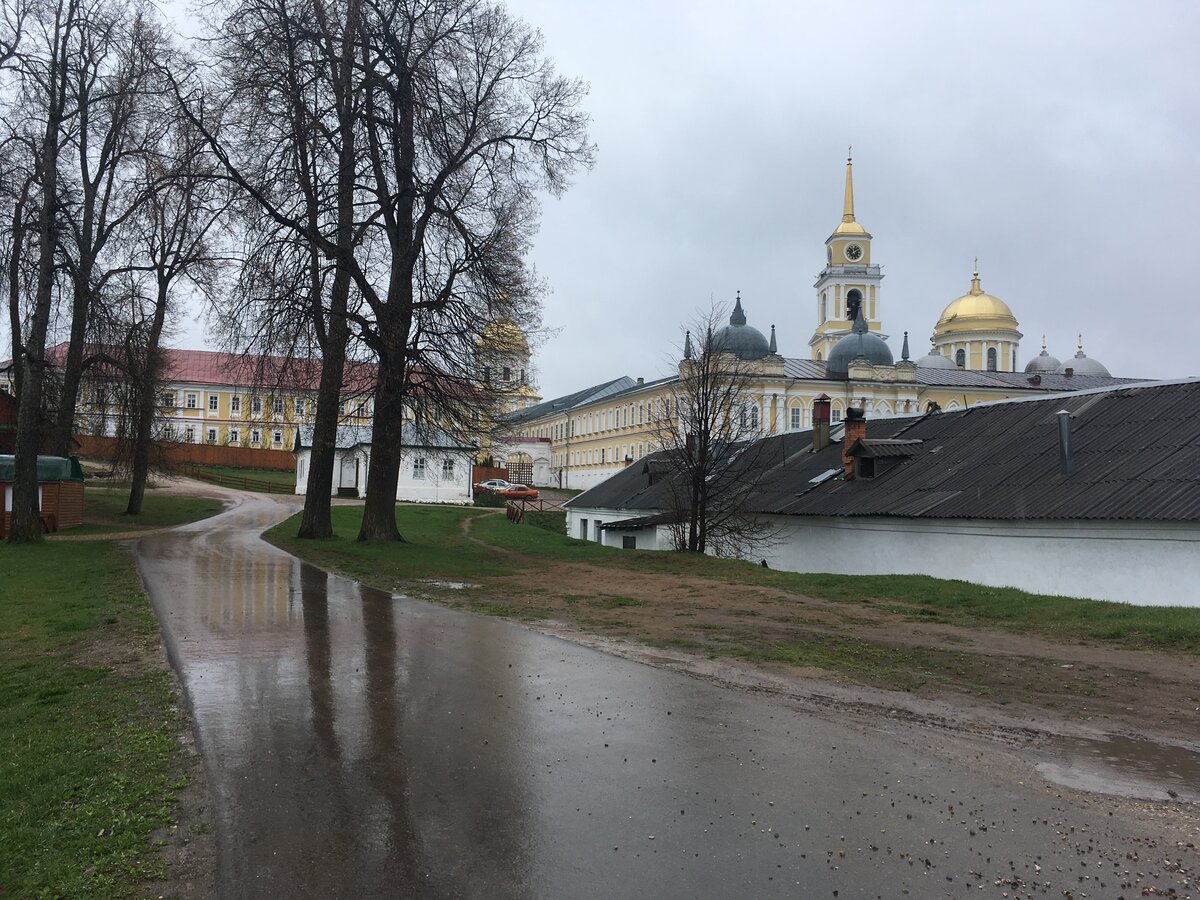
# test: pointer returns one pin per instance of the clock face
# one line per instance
(854, 252)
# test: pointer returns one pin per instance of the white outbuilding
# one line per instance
(434, 466)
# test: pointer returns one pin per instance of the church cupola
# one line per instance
(849, 282)
(978, 331)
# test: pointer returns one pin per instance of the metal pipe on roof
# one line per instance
(1066, 464)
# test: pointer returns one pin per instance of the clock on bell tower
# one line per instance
(849, 281)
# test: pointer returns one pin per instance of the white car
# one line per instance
(495, 485)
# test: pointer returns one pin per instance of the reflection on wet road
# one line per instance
(360, 745)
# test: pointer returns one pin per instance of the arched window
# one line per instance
(960, 359)
(991, 358)
(819, 356)
(824, 306)
(853, 303)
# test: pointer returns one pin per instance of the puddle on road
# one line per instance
(452, 585)
(1126, 767)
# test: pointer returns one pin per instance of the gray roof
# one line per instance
(1136, 452)
(860, 343)
(570, 401)
(742, 340)
(350, 436)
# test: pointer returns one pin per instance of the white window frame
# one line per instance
(419, 469)
(235, 436)
(191, 401)
(277, 406)
(235, 405)
(214, 402)
(797, 418)
(256, 406)
(210, 435)
(299, 405)
(255, 435)
(189, 433)
(277, 437)
(447, 469)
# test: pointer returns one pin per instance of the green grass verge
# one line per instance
(439, 550)
(89, 755)
(103, 506)
(434, 547)
(89, 758)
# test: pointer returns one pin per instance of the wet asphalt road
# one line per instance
(360, 745)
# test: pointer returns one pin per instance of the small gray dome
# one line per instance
(1083, 365)
(740, 339)
(858, 343)
(935, 360)
(1042, 363)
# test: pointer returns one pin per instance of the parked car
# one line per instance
(519, 492)
(496, 485)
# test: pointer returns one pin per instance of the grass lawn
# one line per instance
(438, 549)
(104, 510)
(89, 755)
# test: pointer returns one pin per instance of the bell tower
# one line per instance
(848, 282)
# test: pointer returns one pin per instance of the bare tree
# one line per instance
(42, 63)
(112, 82)
(710, 428)
(445, 121)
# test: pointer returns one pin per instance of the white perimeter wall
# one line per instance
(651, 538)
(1141, 563)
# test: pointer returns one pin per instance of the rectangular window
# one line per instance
(191, 401)
(211, 435)
(836, 415)
(255, 405)
(255, 436)
(299, 404)
(583, 528)
(234, 436)
(235, 405)
(189, 434)
(419, 469)
(507, 374)
(277, 407)
(167, 400)
(447, 468)
(277, 438)
(797, 418)
(629, 542)
(213, 400)
(360, 410)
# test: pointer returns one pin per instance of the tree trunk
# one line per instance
(147, 389)
(316, 521)
(26, 523)
(64, 423)
(379, 512)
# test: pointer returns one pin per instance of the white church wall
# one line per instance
(432, 485)
(1145, 564)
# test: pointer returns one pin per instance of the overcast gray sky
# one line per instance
(1055, 141)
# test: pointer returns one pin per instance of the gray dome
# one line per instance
(935, 360)
(1083, 365)
(858, 343)
(740, 339)
(1042, 363)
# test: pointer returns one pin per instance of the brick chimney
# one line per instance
(820, 422)
(855, 429)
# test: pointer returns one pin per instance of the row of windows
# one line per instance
(601, 455)
(421, 467)
(191, 400)
(624, 416)
(232, 436)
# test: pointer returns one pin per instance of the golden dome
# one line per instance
(976, 311)
(500, 336)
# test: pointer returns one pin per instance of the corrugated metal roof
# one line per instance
(1136, 453)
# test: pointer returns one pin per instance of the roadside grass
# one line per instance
(438, 549)
(104, 511)
(435, 547)
(89, 753)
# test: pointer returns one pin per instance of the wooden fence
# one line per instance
(516, 509)
(487, 473)
(239, 482)
(196, 454)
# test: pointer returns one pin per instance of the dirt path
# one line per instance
(774, 639)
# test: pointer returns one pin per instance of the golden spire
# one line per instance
(975, 288)
(848, 209)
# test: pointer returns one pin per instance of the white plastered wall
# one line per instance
(1139, 563)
